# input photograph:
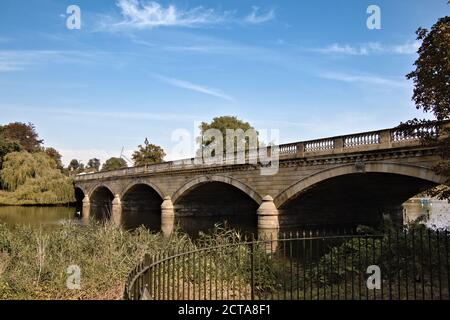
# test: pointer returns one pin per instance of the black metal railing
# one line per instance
(396, 265)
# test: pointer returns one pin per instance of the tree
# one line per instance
(114, 163)
(74, 165)
(431, 79)
(33, 178)
(223, 123)
(22, 133)
(6, 147)
(55, 155)
(93, 163)
(18, 167)
(148, 154)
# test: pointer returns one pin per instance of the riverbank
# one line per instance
(34, 263)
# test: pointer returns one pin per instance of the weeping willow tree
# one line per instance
(34, 178)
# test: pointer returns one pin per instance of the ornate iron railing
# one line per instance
(405, 264)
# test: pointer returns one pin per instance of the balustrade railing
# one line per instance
(415, 134)
(290, 148)
(319, 145)
(383, 138)
(362, 139)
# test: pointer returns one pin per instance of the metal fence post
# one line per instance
(252, 266)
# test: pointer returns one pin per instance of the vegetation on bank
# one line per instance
(34, 262)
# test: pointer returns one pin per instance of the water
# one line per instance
(54, 216)
(37, 216)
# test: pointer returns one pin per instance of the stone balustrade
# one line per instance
(366, 141)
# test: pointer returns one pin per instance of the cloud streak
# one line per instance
(368, 79)
(369, 48)
(140, 14)
(194, 87)
(17, 60)
(102, 114)
(256, 18)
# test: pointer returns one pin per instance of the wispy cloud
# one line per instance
(369, 48)
(143, 14)
(194, 87)
(13, 60)
(257, 17)
(16, 60)
(102, 114)
(368, 79)
(151, 14)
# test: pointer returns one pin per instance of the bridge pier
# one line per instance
(86, 209)
(167, 217)
(116, 214)
(268, 224)
(268, 214)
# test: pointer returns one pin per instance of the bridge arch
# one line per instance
(217, 178)
(80, 194)
(134, 183)
(80, 190)
(97, 187)
(101, 197)
(409, 170)
(204, 201)
(141, 205)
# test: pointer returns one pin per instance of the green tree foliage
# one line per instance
(6, 147)
(432, 90)
(33, 178)
(21, 166)
(114, 163)
(222, 123)
(432, 74)
(55, 155)
(22, 133)
(93, 163)
(75, 166)
(148, 154)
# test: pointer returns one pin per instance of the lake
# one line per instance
(54, 216)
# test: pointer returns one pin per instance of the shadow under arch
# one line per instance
(208, 200)
(354, 194)
(79, 196)
(217, 178)
(101, 198)
(141, 205)
(142, 182)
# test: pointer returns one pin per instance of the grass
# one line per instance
(33, 261)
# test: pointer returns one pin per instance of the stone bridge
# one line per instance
(345, 180)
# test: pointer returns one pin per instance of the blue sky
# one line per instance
(141, 69)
